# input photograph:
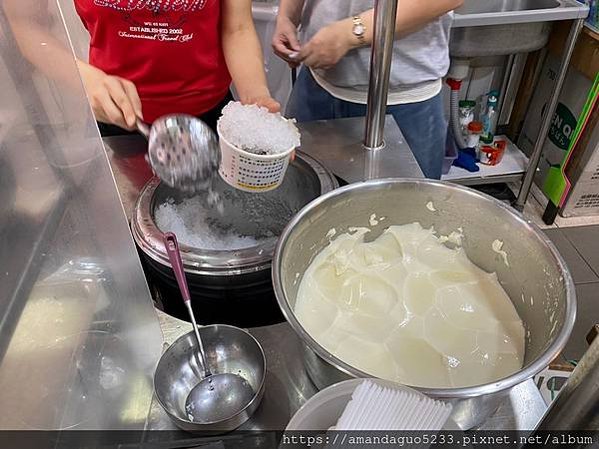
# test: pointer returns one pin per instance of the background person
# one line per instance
(336, 36)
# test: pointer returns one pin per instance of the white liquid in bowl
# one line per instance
(409, 309)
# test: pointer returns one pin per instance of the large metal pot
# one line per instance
(537, 279)
(228, 287)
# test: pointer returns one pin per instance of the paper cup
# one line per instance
(251, 172)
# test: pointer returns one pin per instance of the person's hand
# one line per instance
(114, 100)
(265, 101)
(262, 100)
(269, 103)
(285, 43)
(328, 46)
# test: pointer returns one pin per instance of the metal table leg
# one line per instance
(537, 151)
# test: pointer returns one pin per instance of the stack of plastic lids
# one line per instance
(373, 407)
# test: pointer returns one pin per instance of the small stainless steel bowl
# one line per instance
(228, 349)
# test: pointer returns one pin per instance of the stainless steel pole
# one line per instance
(509, 69)
(576, 407)
(537, 151)
(383, 39)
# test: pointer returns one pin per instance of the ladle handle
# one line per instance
(172, 250)
(174, 255)
(143, 128)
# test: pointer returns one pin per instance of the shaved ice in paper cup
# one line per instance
(256, 147)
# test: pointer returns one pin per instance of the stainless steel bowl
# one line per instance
(228, 349)
(250, 214)
(537, 279)
(232, 286)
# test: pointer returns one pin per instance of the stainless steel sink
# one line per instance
(503, 27)
(482, 6)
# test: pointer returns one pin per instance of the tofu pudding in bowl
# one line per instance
(407, 308)
(425, 283)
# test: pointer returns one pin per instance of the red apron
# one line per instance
(170, 49)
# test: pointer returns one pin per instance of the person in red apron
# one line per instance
(149, 58)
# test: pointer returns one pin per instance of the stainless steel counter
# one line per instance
(126, 155)
(338, 144)
(287, 384)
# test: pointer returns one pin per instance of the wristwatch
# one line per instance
(359, 29)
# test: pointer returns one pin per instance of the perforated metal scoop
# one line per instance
(183, 151)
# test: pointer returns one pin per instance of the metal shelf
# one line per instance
(512, 168)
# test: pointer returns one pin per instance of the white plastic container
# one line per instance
(324, 409)
(252, 172)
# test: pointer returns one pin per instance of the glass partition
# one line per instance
(79, 337)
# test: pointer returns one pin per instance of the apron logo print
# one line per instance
(156, 35)
(152, 5)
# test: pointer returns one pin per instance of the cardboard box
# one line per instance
(572, 100)
(583, 199)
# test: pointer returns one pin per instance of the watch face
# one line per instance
(359, 30)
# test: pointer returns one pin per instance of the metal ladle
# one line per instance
(217, 396)
(183, 151)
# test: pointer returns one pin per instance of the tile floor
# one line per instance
(579, 246)
(577, 240)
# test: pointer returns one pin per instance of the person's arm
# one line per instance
(243, 54)
(113, 99)
(29, 21)
(285, 41)
(331, 43)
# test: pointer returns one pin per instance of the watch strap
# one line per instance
(359, 29)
